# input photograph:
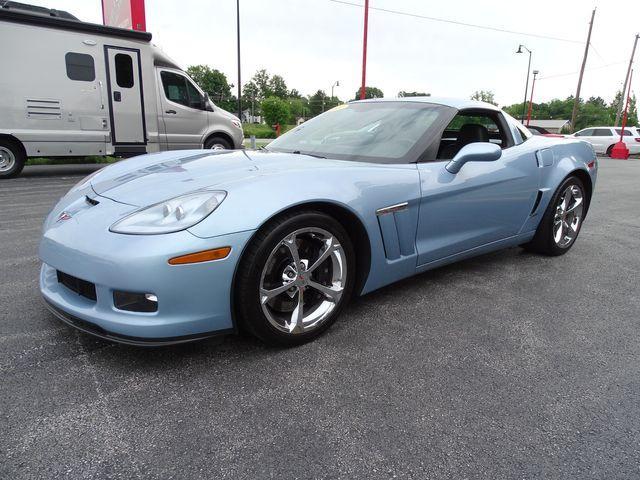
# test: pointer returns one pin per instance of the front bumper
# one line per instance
(194, 300)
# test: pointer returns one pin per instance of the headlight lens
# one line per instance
(171, 215)
(236, 123)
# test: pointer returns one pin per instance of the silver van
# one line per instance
(70, 88)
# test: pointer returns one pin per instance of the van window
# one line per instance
(124, 70)
(80, 67)
(179, 89)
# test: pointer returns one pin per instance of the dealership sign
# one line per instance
(124, 14)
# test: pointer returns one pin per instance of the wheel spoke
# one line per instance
(266, 295)
(575, 205)
(333, 292)
(297, 316)
(558, 233)
(330, 246)
(290, 243)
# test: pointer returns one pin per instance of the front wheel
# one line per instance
(295, 278)
(12, 159)
(561, 222)
(217, 143)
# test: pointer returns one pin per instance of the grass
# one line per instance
(262, 131)
(70, 160)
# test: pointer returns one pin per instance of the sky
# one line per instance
(314, 43)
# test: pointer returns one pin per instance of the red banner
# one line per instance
(124, 14)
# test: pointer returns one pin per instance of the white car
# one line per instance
(604, 138)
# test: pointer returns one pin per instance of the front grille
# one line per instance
(81, 287)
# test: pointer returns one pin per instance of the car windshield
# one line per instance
(383, 132)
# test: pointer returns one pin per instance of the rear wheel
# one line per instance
(561, 222)
(12, 158)
(295, 278)
(217, 143)
(609, 150)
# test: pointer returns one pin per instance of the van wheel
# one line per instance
(217, 143)
(12, 158)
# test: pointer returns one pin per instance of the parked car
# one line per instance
(543, 131)
(70, 88)
(178, 246)
(604, 138)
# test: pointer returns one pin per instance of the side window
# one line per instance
(602, 132)
(196, 100)
(585, 133)
(124, 70)
(80, 67)
(175, 88)
(469, 127)
(627, 133)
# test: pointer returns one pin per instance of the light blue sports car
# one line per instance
(177, 246)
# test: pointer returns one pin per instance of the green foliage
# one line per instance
(259, 130)
(592, 113)
(278, 87)
(369, 92)
(316, 103)
(275, 110)
(403, 93)
(486, 96)
(214, 83)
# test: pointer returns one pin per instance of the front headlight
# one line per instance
(171, 215)
(236, 123)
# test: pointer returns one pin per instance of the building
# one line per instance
(552, 126)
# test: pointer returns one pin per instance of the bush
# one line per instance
(275, 110)
(258, 130)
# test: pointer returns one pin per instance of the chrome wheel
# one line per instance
(7, 159)
(568, 215)
(303, 280)
(217, 146)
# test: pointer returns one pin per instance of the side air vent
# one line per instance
(44, 109)
(536, 204)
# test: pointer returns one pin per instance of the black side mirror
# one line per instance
(207, 103)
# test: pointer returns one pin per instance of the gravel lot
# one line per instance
(510, 365)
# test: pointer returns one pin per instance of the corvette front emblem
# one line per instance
(64, 216)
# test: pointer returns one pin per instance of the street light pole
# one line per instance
(239, 78)
(526, 86)
(337, 84)
(533, 86)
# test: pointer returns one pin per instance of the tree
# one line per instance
(275, 111)
(317, 103)
(261, 81)
(486, 96)
(215, 84)
(298, 107)
(402, 93)
(278, 87)
(370, 92)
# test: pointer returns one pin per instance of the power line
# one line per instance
(577, 72)
(462, 24)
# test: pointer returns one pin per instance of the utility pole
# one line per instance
(576, 101)
(239, 80)
(364, 50)
(626, 80)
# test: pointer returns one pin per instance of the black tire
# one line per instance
(216, 142)
(609, 150)
(12, 158)
(248, 307)
(543, 241)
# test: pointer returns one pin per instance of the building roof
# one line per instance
(549, 123)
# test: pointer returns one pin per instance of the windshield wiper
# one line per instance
(298, 152)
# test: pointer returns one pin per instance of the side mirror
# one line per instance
(474, 152)
(207, 103)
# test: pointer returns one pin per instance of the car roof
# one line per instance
(457, 103)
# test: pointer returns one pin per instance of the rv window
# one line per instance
(80, 67)
(175, 88)
(124, 70)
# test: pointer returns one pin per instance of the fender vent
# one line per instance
(536, 204)
(43, 109)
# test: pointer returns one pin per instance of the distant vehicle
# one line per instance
(543, 131)
(178, 246)
(70, 88)
(604, 138)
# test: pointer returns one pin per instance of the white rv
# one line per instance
(70, 88)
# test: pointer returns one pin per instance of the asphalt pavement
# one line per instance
(509, 365)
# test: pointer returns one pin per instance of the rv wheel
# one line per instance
(12, 158)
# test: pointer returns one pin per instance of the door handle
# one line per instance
(172, 112)
(117, 96)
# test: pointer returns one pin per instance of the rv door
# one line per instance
(126, 100)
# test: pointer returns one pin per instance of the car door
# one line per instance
(602, 139)
(484, 202)
(184, 114)
(586, 135)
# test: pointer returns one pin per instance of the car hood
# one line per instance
(150, 179)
